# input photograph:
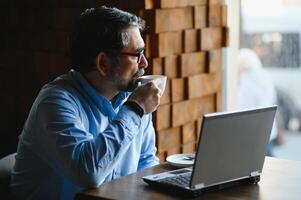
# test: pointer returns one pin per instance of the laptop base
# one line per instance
(194, 193)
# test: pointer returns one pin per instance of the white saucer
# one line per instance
(181, 160)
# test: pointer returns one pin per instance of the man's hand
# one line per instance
(147, 96)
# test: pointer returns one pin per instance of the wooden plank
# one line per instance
(188, 132)
(191, 40)
(188, 147)
(163, 20)
(192, 63)
(149, 45)
(215, 60)
(63, 18)
(148, 4)
(219, 101)
(170, 43)
(164, 44)
(61, 41)
(216, 38)
(162, 117)
(185, 111)
(200, 106)
(215, 15)
(57, 64)
(200, 17)
(178, 3)
(214, 2)
(224, 15)
(9, 62)
(128, 5)
(180, 113)
(168, 139)
(43, 73)
(226, 37)
(8, 85)
(177, 89)
(199, 126)
(162, 156)
(204, 84)
(165, 99)
(155, 66)
(175, 150)
(170, 66)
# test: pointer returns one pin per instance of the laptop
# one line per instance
(231, 151)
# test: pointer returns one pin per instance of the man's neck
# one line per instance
(103, 86)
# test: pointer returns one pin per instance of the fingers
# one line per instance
(148, 96)
(152, 86)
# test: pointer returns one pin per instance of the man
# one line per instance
(85, 127)
(256, 87)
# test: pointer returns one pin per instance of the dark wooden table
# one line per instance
(280, 179)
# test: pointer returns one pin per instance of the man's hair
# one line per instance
(97, 30)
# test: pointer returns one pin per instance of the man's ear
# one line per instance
(102, 64)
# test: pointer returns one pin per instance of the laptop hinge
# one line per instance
(256, 173)
(199, 186)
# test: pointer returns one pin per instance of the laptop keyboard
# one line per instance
(180, 180)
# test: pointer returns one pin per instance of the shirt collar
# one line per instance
(100, 101)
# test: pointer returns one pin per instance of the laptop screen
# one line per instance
(232, 146)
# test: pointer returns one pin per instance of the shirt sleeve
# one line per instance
(84, 159)
(148, 156)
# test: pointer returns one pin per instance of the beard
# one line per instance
(128, 85)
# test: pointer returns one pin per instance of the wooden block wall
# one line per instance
(183, 41)
(33, 51)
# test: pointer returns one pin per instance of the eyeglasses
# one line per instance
(138, 55)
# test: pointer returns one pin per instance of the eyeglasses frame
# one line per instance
(138, 55)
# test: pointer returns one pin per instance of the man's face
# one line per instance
(126, 69)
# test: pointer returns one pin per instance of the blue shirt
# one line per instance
(74, 138)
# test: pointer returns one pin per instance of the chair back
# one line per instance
(6, 165)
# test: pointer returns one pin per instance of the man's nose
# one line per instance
(143, 63)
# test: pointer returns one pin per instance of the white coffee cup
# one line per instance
(159, 80)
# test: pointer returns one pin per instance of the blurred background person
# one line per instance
(255, 88)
